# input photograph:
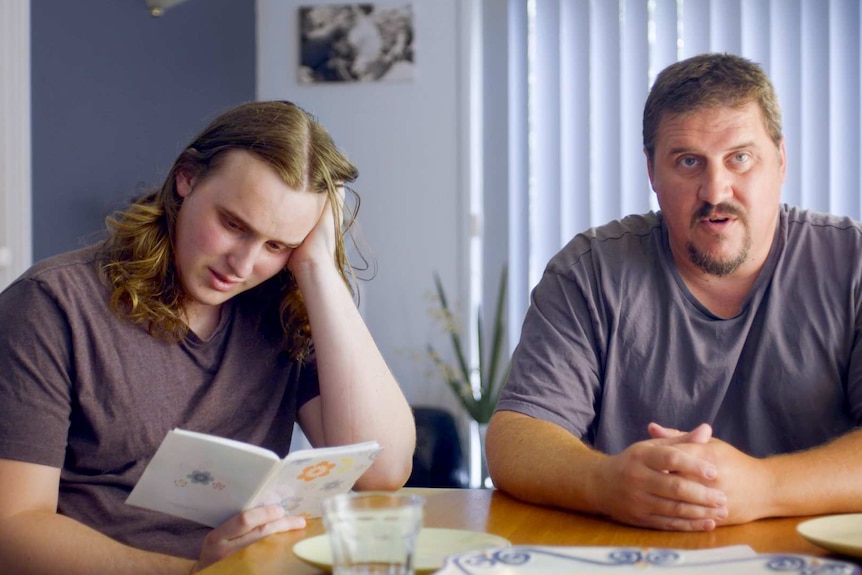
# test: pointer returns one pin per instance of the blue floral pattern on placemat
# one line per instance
(534, 560)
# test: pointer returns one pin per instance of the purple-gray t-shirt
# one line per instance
(93, 394)
(613, 339)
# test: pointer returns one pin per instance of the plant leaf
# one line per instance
(480, 408)
(499, 332)
(480, 352)
(456, 340)
(457, 386)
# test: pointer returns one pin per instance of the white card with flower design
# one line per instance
(208, 479)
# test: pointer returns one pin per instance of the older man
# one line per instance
(701, 365)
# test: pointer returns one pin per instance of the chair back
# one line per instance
(438, 460)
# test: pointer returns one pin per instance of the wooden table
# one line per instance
(523, 524)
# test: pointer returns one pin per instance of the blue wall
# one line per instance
(117, 93)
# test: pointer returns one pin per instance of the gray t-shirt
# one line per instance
(613, 339)
(93, 394)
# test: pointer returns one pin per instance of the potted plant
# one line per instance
(476, 387)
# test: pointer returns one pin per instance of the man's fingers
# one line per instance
(665, 458)
(676, 505)
(257, 522)
(286, 523)
(677, 524)
(687, 516)
(244, 529)
(250, 519)
(338, 208)
(657, 431)
(700, 434)
(680, 490)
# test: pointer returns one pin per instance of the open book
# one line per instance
(208, 479)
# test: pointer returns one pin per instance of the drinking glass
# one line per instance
(373, 533)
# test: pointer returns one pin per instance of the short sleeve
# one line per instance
(555, 367)
(308, 385)
(35, 388)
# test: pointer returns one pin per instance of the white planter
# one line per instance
(477, 463)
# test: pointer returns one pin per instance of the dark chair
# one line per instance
(437, 461)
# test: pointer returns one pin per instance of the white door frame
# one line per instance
(16, 235)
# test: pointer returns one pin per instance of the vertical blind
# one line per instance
(589, 67)
(15, 161)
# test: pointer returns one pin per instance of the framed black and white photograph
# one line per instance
(356, 43)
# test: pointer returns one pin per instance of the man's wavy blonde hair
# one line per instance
(137, 261)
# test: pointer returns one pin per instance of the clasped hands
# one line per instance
(681, 481)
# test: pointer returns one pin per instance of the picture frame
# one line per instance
(361, 42)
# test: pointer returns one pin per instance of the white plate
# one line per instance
(432, 548)
(838, 533)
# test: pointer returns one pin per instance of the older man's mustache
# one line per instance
(707, 211)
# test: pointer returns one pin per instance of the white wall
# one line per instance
(406, 139)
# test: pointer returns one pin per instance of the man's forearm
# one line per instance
(541, 463)
(39, 543)
(360, 400)
(824, 479)
(650, 484)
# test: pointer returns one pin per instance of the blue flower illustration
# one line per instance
(202, 477)
(291, 503)
(332, 485)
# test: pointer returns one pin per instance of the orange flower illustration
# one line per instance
(313, 472)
